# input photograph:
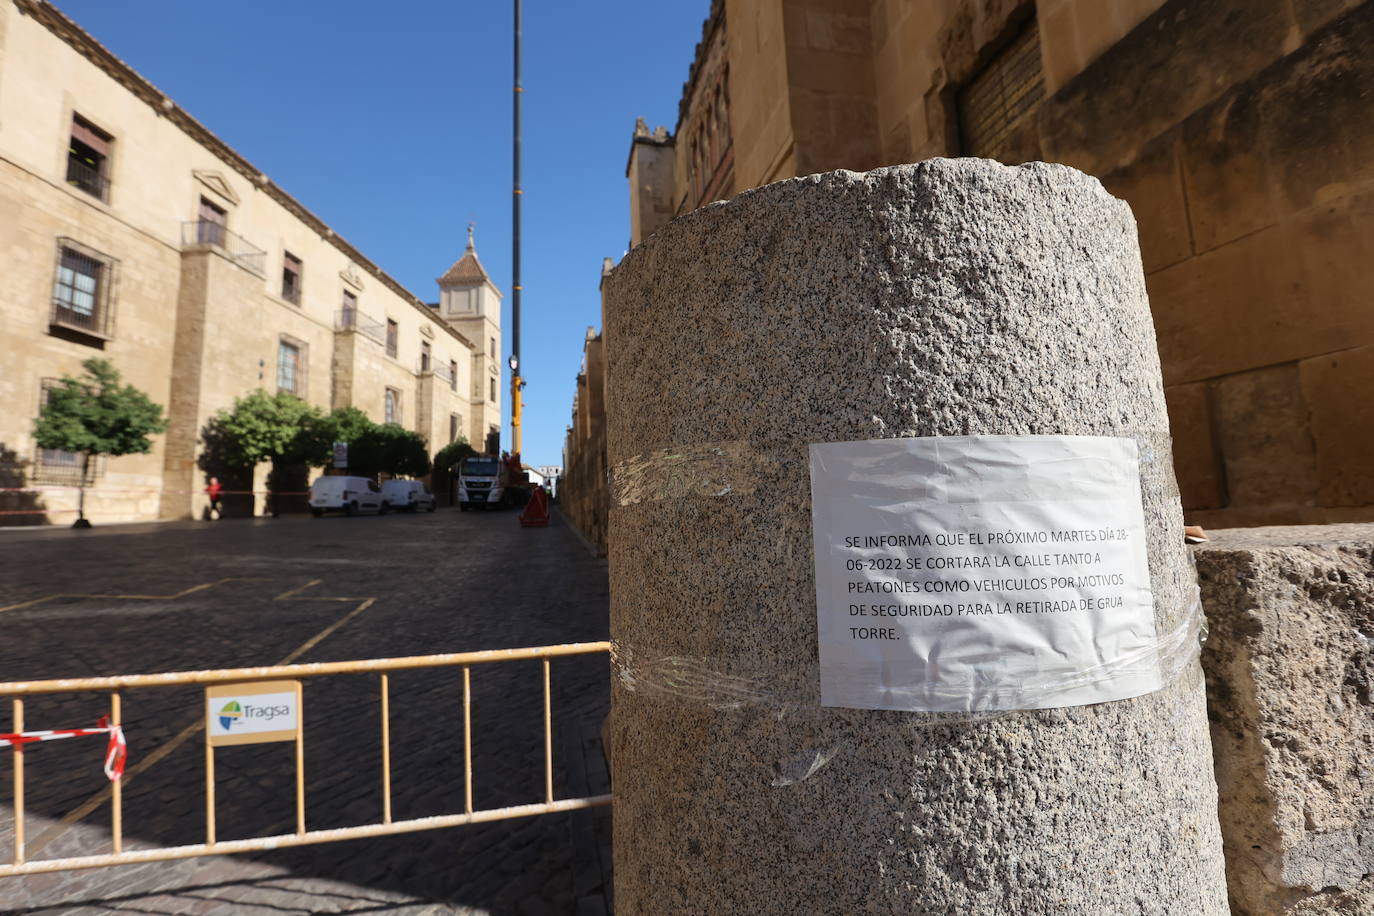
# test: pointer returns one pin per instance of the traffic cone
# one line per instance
(536, 514)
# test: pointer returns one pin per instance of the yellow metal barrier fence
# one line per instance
(466, 660)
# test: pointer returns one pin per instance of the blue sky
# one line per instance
(392, 123)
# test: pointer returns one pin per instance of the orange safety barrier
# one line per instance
(302, 836)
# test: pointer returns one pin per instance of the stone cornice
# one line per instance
(44, 13)
(714, 20)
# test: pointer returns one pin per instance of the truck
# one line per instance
(488, 482)
(481, 483)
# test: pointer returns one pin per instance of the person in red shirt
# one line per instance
(213, 491)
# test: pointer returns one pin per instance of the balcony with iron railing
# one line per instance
(354, 320)
(207, 234)
(440, 370)
(88, 178)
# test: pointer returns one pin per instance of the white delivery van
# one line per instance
(410, 495)
(349, 495)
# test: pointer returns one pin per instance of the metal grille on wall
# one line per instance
(995, 101)
(83, 289)
(55, 466)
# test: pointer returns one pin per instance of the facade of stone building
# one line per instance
(130, 232)
(1239, 134)
(583, 493)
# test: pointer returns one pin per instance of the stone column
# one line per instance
(951, 297)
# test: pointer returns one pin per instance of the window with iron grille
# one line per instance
(454, 421)
(453, 374)
(393, 406)
(1002, 95)
(57, 466)
(424, 356)
(493, 388)
(81, 293)
(392, 332)
(88, 158)
(291, 278)
(288, 367)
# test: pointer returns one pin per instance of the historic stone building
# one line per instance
(471, 304)
(583, 493)
(1239, 134)
(131, 232)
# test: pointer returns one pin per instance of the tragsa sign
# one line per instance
(253, 713)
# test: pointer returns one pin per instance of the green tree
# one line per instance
(344, 424)
(447, 458)
(318, 433)
(96, 415)
(388, 449)
(280, 428)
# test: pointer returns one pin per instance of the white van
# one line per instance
(410, 495)
(349, 495)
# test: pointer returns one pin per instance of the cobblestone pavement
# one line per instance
(180, 596)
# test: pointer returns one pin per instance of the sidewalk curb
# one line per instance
(563, 520)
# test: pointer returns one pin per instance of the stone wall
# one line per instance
(35, 211)
(650, 174)
(583, 494)
(1290, 689)
(1256, 213)
(1238, 134)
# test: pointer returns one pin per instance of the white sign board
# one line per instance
(253, 713)
(970, 573)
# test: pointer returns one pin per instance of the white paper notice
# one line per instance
(971, 573)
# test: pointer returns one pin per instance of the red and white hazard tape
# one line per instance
(95, 490)
(106, 491)
(116, 752)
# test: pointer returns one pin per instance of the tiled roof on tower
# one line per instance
(467, 269)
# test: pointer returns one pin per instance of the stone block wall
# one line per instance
(1237, 132)
(1290, 688)
(583, 494)
(35, 211)
(1256, 211)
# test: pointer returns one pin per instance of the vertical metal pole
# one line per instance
(516, 288)
(467, 739)
(386, 749)
(116, 788)
(300, 766)
(17, 720)
(209, 787)
(548, 738)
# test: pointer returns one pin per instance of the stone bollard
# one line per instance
(946, 298)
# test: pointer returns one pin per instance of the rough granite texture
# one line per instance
(1290, 678)
(950, 297)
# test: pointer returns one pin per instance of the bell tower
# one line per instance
(471, 304)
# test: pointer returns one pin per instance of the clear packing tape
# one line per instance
(1001, 685)
(699, 680)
